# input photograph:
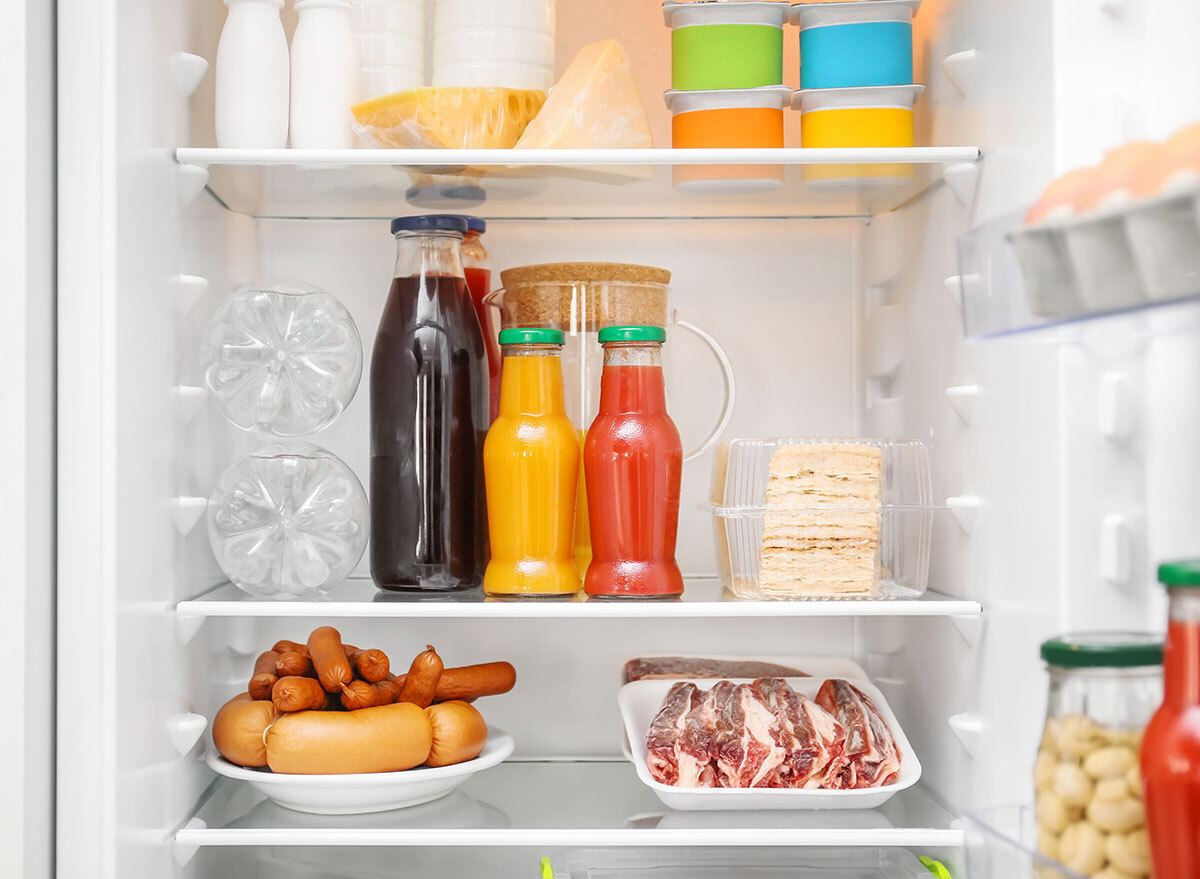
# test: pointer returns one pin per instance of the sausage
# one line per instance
(294, 665)
(459, 733)
(289, 647)
(370, 665)
(264, 676)
(239, 727)
(387, 738)
(472, 681)
(420, 684)
(298, 694)
(329, 659)
(363, 694)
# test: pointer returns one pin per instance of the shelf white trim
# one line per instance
(567, 158)
(703, 600)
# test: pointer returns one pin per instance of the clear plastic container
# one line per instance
(838, 518)
(1104, 687)
(288, 522)
(737, 863)
(282, 358)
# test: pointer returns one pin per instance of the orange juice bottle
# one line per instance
(531, 468)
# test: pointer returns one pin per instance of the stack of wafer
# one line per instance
(821, 525)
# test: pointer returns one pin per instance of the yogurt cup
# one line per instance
(728, 119)
(876, 116)
(733, 44)
(848, 45)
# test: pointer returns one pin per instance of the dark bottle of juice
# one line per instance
(429, 417)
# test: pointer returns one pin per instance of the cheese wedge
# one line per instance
(596, 105)
(449, 118)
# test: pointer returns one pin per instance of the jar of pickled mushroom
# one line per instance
(1104, 687)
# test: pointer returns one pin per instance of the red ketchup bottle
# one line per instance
(632, 462)
(1171, 745)
(477, 266)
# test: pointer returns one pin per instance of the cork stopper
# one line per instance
(575, 272)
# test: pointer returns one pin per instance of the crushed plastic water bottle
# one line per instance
(282, 358)
(288, 521)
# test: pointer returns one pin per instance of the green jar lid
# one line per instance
(1180, 575)
(1103, 650)
(633, 334)
(531, 336)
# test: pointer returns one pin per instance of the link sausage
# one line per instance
(420, 684)
(289, 647)
(459, 733)
(298, 694)
(473, 681)
(371, 665)
(363, 694)
(329, 659)
(293, 664)
(264, 676)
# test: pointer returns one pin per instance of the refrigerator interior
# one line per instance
(840, 319)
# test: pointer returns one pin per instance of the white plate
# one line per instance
(641, 700)
(367, 791)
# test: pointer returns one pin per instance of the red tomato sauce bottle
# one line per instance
(633, 461)
(477, 267)
(1171, 745)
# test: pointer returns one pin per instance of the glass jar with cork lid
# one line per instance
(582, 298)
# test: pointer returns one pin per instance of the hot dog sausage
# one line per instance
(298, 694)
(473, 681)
(289, 647)
(420, 684)
(362, 694)
(370, 665)
(329, 659)
(264, 676)
(238, 730)
(387, 738)
(459, 733)
(294, 665)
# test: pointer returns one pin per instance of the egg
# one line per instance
(1057, 199)
(1180, 166)
(1127, 172)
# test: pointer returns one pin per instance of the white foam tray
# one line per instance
(640, 701)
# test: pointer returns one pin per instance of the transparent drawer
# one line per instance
(737, 863)
(797, 518)
(1002, 844)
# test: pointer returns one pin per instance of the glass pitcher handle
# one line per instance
(727, 374)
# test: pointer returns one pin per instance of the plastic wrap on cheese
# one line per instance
(596, 105)
(448, 118)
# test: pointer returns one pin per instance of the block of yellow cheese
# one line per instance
(596, 105)
(448, 118)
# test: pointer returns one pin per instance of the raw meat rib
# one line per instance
(662, 741)
(748, 747)
(814, 737)
(871, 757)
(695, 750)
(672, 667)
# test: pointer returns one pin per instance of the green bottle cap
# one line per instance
(633, 334)
(1103, 650)
(1180, 575)
(531, 336)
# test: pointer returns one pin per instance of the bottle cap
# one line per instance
(1103, 650)
(474, 224)
(430, 223)
(531, 336)
(1180, 575)
(633, 334)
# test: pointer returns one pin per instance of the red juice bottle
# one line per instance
(633, 461)
(1171, 744)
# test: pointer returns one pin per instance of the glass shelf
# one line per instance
(563, 803)
(534, 184)
(703, 598)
